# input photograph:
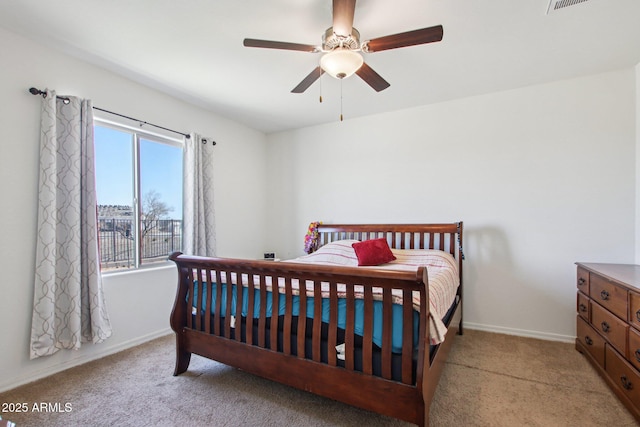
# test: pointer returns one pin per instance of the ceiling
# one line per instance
(192, 49)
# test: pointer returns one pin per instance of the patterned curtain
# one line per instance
(199, 219)
(68, 301)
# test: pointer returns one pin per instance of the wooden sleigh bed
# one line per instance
(374, 347)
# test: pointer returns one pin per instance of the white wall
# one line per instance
(542, 177)
(637, 70)
(139, 304)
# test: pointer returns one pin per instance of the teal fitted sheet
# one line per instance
(396, 322)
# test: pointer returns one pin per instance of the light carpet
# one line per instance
(489, 380)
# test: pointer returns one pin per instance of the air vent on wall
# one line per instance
(560, 4)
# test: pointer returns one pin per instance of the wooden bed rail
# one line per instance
(399, 236)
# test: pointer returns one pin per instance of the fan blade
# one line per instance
(308, 81)
(410, 38)
(343, 11)
(279, 45)
(372, 78)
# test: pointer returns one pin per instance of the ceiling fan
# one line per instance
(341, 48)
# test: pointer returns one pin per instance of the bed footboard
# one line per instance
(200, 330)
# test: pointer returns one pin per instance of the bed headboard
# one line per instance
(444, 237)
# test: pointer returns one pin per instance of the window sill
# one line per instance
(154, 267)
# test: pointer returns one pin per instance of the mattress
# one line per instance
(443, 283)
(396, 324)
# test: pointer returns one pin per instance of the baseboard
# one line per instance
(521, 332)
(37, 375)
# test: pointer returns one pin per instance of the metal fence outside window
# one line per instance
(117, 244)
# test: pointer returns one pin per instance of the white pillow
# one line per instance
(339, 252)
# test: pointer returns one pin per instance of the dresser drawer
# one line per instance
(634, 347)
(583, 307)
(609, 295)
(591, 340)
(634, 309)
(625, 376)
(610, 327)
(582, 280)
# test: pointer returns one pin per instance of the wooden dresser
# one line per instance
(608, 326)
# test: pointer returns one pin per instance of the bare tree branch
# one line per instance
(153, 209)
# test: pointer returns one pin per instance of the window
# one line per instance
(139, 191)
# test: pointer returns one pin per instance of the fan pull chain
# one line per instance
(320, 81)
(341, 99)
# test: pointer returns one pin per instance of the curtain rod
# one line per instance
(35, 91)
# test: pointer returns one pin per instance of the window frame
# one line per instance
(137, 135)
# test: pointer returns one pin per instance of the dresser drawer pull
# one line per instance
(638, 355)
(588, 340)
(605, 327)
(638, 315)
(604, 295)
(626, 384)
(583, 308)
(581, 281)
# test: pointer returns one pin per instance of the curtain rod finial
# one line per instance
(35, 91)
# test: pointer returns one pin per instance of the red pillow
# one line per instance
(373, 252)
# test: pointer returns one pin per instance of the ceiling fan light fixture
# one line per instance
(341, 63)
